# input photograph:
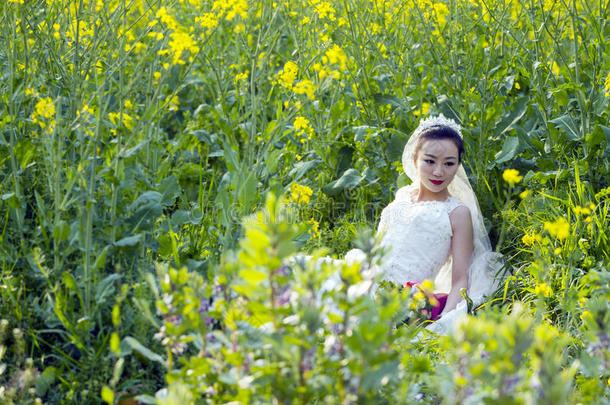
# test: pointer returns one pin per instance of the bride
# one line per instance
(434, 228)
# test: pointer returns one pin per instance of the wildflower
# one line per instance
(530, 239)
(43, 114)
(173, 103)
(231, 8)
(543, 289)
(288, 75)
(607, 85)
(314, 229)
(511, 176)
(302, 127)
(425, 107)
(523, 195)
(300, 194)
(324, 9)
(336, 56)
(578, 210)
(305, 87)
(554, 68)
(207, 21)
(127, 120)
(241, 77)
(559, 229)
(16, 1)
(557, 251)
(180, 42)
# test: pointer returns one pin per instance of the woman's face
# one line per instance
(437, 162)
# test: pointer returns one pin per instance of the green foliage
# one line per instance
(135, 136)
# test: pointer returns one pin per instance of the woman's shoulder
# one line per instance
(459, 214)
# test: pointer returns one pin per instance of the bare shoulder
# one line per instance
(461, 219)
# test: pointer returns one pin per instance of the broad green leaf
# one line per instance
(511, 118)
(105, 288)
(568, 125)
(129, 241)
(169, 189)
(350, 178)
(510, 148)
(302, 168)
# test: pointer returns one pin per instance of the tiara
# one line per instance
(437, 121)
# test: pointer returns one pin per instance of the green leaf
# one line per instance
(598, 136)
(130, 345)
(44, 381)
(129, 241)
(350, 178)
(510, 148)
(568, 125)
(169, 189)
(387, 99)
(511, 118)
(61, 231)
(105, 288)
(301, 168)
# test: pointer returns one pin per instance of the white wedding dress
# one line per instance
(417, 236)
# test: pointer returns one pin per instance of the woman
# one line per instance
(434, 228)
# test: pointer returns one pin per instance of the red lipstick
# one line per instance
(436, 182)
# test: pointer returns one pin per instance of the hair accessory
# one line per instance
(437, 121)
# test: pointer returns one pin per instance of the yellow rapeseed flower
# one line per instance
(607, 85)
(44, 113)
(560, 228)
(530, 239)
(314, 229)
(300, 194)
(305, 87)
(511, 176)
(16, 1)
(523, 195)
(543, 289)
(425, 107)
(288, 75)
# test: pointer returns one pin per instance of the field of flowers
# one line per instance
(163, 160)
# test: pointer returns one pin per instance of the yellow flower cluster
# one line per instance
(324, 9)
(207, 21)
(607, 85)
(305, 87)
(288, 75)
(302, 127)
(531, 239)
(543, 289)
(578, 210)
(511, 176)
(314, 229)
(231, 8)
(44, 114)
(425, 108)
(560, 228)
(182, 41)
(116, 119)
(300, 194)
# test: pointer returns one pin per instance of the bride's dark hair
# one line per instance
(441, 132)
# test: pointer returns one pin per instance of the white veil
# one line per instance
(485, 263)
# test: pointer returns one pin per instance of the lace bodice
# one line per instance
(417, 236)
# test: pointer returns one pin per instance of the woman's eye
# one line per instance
(449, 163)
(430, 162)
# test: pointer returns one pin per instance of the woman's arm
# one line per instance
(461, 253)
